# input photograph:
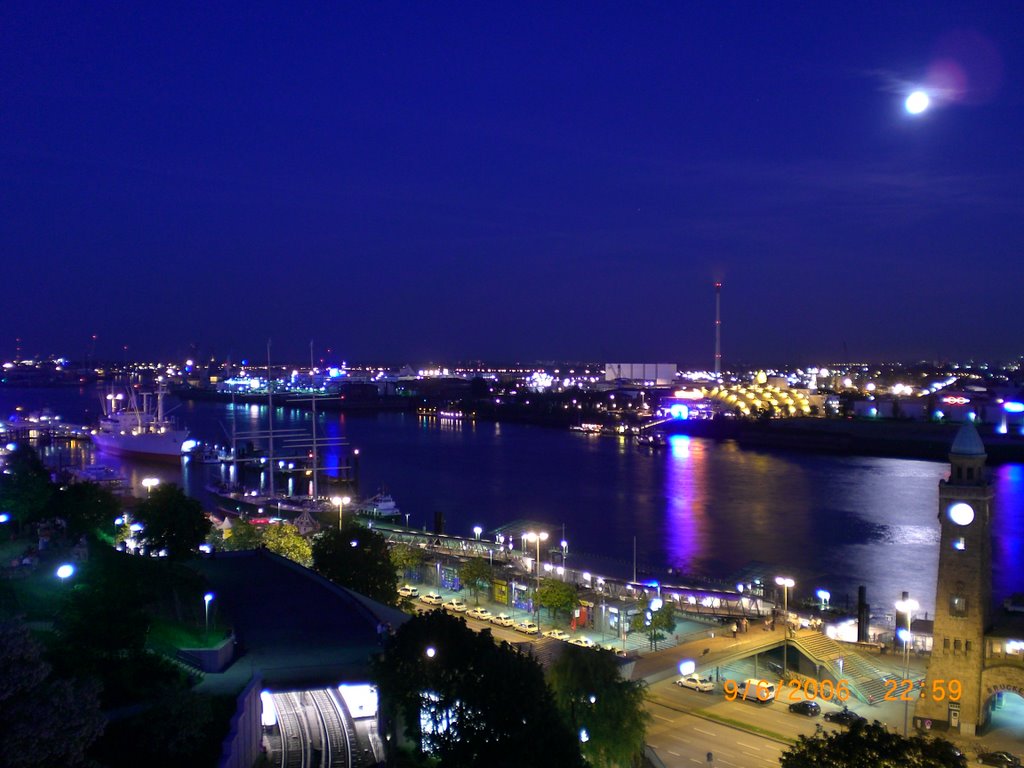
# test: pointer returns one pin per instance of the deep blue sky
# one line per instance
(512, 181)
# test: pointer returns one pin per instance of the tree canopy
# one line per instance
(593, 697)
(406, 557)
(870, 745)
(357, 558)
(657, 625)
(25, 489)
(47, 721)
(284, 539)
(171, 521)
(465, 700)
(476, 574)
(557, 595)
(85, 507)
(240, 536)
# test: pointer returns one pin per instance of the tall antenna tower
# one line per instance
(718, 330)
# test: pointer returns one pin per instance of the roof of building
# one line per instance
(293, 625)
(968, 441)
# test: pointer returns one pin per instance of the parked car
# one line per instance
(999, 758)
(617, 650)
(503, 620)
(583, 642)
(456, 604)
(527, 628)
(845, 717)
(479, 613)
(697, 683)
(809, 708)
(557, 634)
(431, 598)
(408, 591)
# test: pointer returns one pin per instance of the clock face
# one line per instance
(961, 513)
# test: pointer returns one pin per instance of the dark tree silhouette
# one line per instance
(464, 700)
(24, 492)
(357, 558)
(870, 745)
(172, 521)
(86, 507)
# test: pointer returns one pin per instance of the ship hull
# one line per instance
(164, 447)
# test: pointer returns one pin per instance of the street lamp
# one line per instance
(907, 606)
(786, 584)
(824, 596)
(207, 599)
(65, 571)
(538, 537)
(565, 551)
(341, 501)
(477, 530)
(149, 482)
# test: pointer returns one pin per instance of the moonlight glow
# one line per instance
(917, 102)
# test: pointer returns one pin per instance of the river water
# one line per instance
(701, 507)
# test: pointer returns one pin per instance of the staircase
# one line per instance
(866, 681)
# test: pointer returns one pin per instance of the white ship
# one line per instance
(130, 429)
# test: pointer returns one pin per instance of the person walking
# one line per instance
(734, 629)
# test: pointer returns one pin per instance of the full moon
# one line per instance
(917, 102)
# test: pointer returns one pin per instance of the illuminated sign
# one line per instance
(956, 400)
(1013, 407)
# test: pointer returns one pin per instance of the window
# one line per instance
(956, 645)
(967, 646)
(945, 645)
(958, 606)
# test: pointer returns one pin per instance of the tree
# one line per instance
(240, 536)
(557, 595)
(25, 487)
(357, 558)
(85, 507)
(656, 624)
(476, 574)
(171, 521)
(406, 558)
(870, 745)
(593, 696)
(464, 700)
(47, 721)
(284, 539)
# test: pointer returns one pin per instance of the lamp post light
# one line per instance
(786, 584)
(207, 599)
(341, 501)
(477, 530)
(538, 537)
(65, 571)
(907, 606)
(565, 551)
(824, 596)
(149, 483)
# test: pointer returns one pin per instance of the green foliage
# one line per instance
(172, 521)
(357, 558)
(557, 595)
(47, 721)
(657, 625)
(871, 745)
(487, 704)
(476, 574)
(406, 558)
(284, 539)
(240, 536)
(86, 507)
(25, 492)
(592, 695)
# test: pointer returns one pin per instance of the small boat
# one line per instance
(381, 506)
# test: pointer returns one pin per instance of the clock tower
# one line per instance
(963, 593)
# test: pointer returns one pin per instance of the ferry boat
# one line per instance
(129, 428)
(381, 506)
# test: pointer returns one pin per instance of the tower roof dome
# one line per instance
(968, 441)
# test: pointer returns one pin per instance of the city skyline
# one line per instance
(434, 183)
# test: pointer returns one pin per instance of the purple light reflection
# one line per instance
(684, 516)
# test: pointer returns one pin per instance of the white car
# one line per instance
(556, 634)
(527, 628)
(583, 642)
(479, 613)
(617, 650)
(431, 598)
(697, 683)
(456, 604)
(503, 620)
(408, 591)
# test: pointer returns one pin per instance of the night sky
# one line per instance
(505, 181)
